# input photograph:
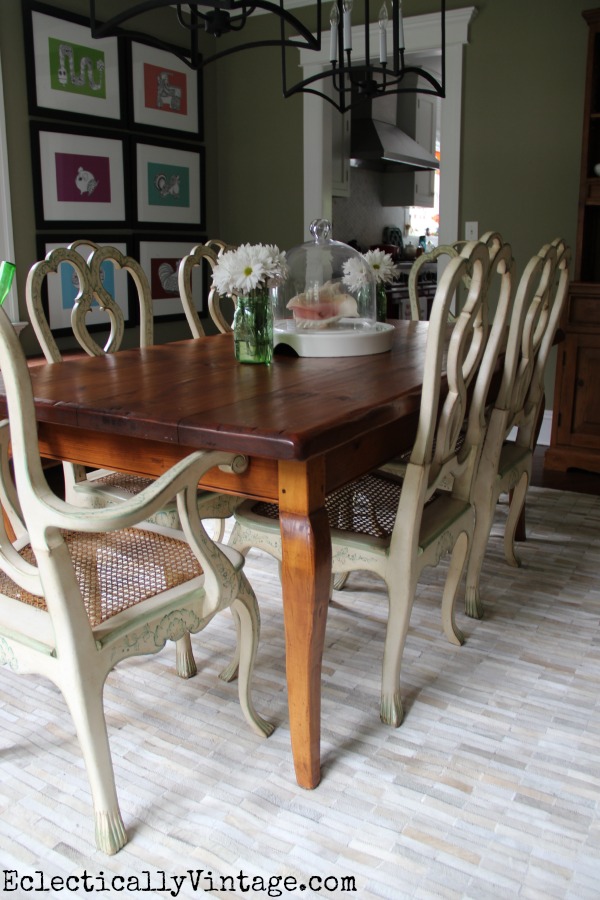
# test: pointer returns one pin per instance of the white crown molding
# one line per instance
(421, 33)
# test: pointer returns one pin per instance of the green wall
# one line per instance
(521, 133)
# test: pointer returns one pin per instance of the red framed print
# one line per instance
(160, 261)
(166, 95)
(80, 177)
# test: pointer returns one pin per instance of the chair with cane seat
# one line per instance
(82, 589)
(101, 486)
(395, 527)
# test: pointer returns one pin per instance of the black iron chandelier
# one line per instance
(379, 70)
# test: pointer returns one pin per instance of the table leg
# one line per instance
(305, 577)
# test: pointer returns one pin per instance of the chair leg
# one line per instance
(230, 672)
(184, 657)
(246, 611)
(87, 711)
(517, 505)
(401, 593)
(453, 579)
(484, 517)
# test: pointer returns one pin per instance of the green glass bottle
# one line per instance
(7, 273)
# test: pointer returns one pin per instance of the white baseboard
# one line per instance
(545, 430)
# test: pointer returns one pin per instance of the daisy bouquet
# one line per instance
(248, 268)
(383, 268)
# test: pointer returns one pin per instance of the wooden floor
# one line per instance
(575, 480)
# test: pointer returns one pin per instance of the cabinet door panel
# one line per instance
(580, 409)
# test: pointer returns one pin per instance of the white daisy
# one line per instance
(356, 273)
(248, 267)
(382, 264)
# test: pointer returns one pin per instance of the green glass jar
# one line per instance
(253, 327)
(381, 302)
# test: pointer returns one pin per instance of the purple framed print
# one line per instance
(61, 286)
(71, 74)
(160, 261)
(80, 177)
(169, 185)
(165, 93)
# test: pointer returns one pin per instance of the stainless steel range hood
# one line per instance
(376, 141)
(380, 145)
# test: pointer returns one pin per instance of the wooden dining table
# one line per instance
(307, 426)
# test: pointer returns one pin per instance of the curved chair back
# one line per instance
(505, 464)
(88, 260)
(196, 260)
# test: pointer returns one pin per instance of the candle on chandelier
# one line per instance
(383, 20)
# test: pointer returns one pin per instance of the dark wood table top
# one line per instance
(194, 394)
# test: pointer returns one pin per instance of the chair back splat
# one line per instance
(194, 261)
(506, 463)
(81, 589)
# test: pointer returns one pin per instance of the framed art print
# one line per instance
(160, 261)
(71, 74)
(80, 177)
(169, 186)
(62, 287)
(165, 93)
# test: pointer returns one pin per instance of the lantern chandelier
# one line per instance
(377, 70)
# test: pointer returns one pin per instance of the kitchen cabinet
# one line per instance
(575, 441)
(340, 175)
(417, 116)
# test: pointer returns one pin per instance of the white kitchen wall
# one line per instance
(361, 217)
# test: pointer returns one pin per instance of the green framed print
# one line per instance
(73, 75)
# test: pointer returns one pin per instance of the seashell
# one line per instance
(323, 310)
(168, 278)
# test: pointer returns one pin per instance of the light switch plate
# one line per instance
(471, 231)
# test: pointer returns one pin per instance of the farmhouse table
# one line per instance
(306, 425)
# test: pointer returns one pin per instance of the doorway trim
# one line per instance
(422, 34)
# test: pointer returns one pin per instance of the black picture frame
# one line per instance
(60, 290)
(168, 185)
(165, 96)
(81, 177)
(70, 75)
(154, 252)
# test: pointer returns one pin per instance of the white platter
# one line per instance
(377, 338)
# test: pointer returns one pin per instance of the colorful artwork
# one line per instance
(165, 89)
(76, 69)
(69, 73)
(81, 178)
(168, 185)
(163, 277)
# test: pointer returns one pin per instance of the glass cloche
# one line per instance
(327, 305)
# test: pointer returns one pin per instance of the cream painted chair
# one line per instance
(395, 527)
(82, 589)
(495, 244)
(197, 257)
(101, 486)
(506, 463)
(442, 250)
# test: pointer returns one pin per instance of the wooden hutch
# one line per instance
(575, 439)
